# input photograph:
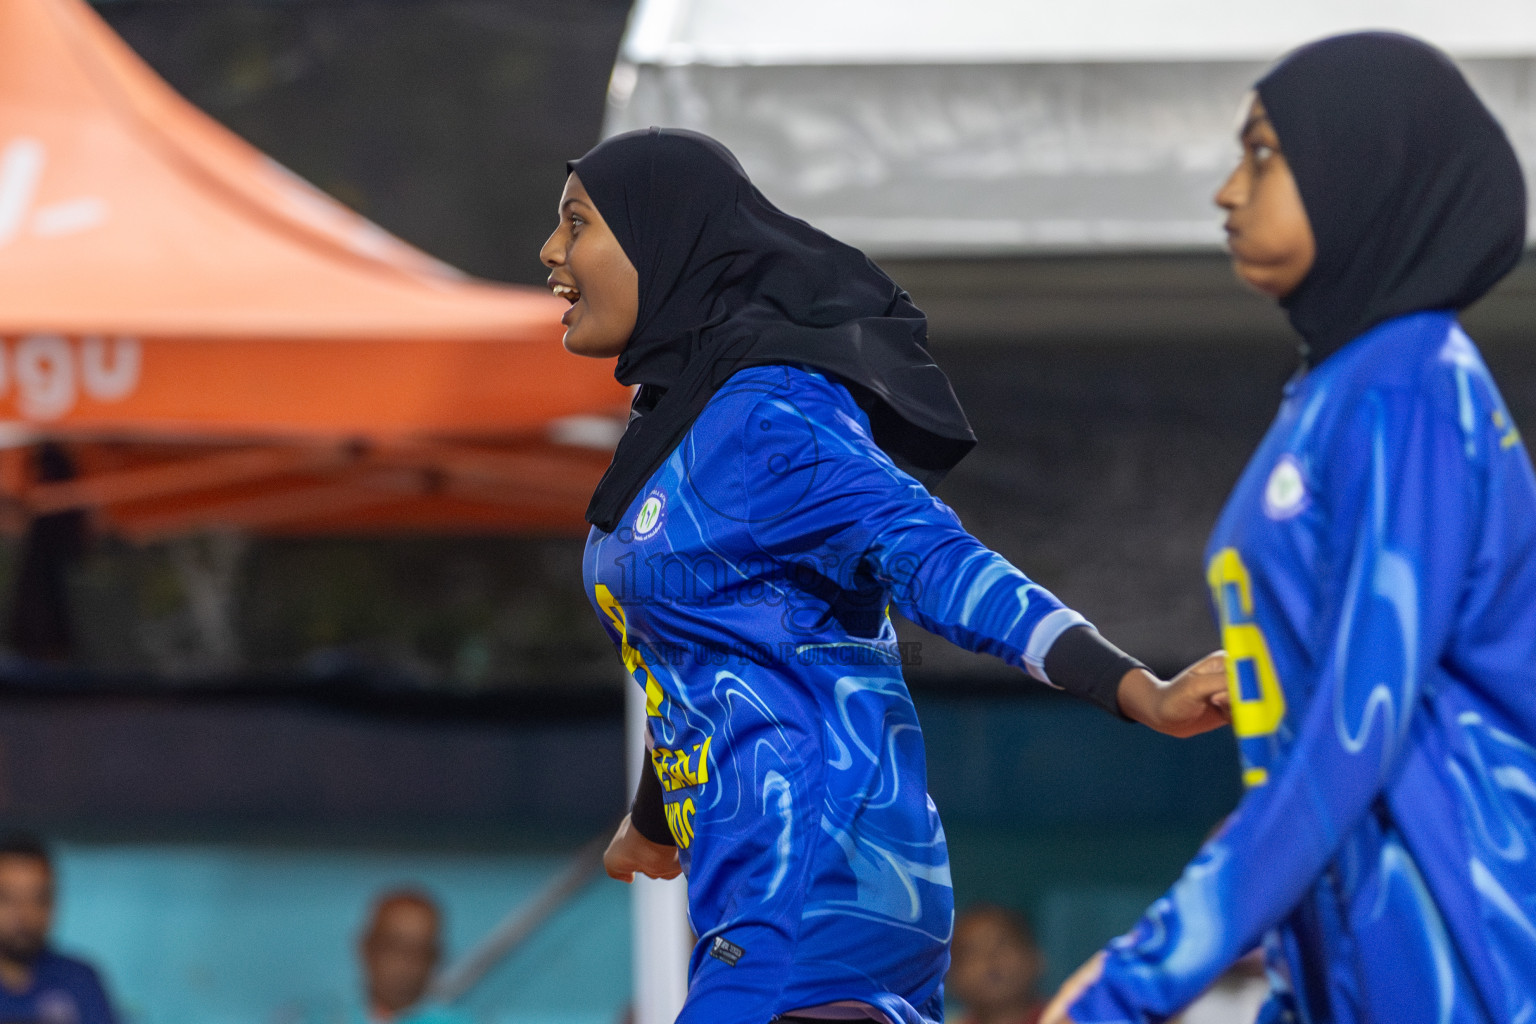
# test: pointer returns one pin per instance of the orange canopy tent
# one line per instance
(214, 343)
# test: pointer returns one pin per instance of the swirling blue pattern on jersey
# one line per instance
(747, 587)
(1375, 577)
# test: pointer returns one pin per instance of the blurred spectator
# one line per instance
(995, 967)
(37, 985)
(400, 950)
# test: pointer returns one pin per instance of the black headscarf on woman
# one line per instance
(728, 281)
(1414, 194)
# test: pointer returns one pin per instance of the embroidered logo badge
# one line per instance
(648, 519)
(1286, 493)
(728, 952)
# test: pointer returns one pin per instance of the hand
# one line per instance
(631, 852)
(1055, 1011)
(1194, 702)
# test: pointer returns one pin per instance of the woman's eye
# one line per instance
(1262, 153)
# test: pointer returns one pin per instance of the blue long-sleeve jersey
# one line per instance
(747, 590)
(1374, 575)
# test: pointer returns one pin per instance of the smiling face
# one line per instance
(590, 270)
(1268, 233)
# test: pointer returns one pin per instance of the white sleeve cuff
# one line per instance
(1046, 633)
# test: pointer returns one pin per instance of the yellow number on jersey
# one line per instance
(633, 661)
(1247, 652)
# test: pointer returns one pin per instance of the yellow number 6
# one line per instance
(1247, 650)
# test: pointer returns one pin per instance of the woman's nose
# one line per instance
(551, 254)
(1230, 195)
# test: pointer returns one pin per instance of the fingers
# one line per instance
(626, 872)
(617, 859)
(1208, 675)
(664, 863)
(1190, 716)
(1201, 690)
(664, 873)
(1214, 668)
(1196, 701)
(630, 853)
(1207, 686)
(1216, 661)
(620, 867)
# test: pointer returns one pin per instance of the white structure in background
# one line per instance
(985, 127)
(658, 910)
(995, 127)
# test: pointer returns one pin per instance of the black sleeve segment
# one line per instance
(1087, 666)
(648, 814)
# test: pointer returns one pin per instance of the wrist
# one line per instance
(1138, 696)
(1089, 667)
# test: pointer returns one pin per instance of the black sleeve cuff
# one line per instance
(648, 814)
(1087, 666)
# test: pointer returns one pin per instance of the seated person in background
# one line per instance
(995, 967)
(400, 949)
(37, 985)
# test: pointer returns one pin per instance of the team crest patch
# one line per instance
(648, 519)
(1286, 492)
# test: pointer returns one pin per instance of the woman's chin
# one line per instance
(579, 344)
(1259, 278)
(575, 342)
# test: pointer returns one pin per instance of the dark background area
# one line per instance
(1116, 398)
(367, 686)
(447, 122)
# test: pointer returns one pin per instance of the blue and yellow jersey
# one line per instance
(748, 590)
(1374, 574)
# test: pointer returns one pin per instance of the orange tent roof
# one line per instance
(255, 354)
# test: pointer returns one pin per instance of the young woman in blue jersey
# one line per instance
(1374, 574)
(763, 511)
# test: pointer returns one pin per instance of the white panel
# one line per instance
(983, 31)
(964, 159)
(659, 928)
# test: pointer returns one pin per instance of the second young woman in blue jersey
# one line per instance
(764, 510)
(1374, 574)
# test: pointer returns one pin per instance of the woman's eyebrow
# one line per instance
(1253, 122)
(570, 202)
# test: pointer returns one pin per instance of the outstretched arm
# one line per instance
(818, 483)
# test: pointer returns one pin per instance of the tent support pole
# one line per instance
(659, 931)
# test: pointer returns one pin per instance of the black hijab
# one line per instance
(1414, 193)
(728, 281)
